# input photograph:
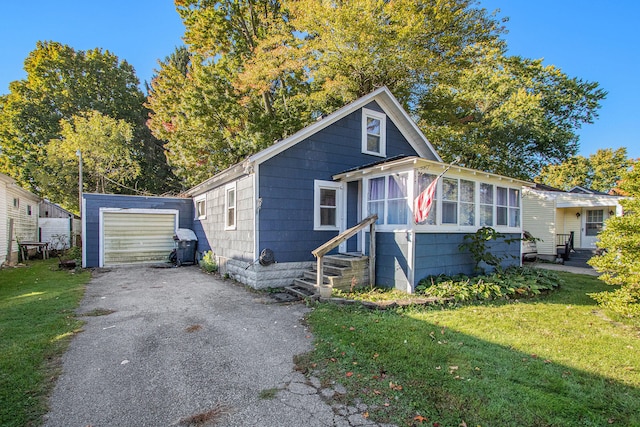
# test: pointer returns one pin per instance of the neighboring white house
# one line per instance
(553, 216)
(18, 218)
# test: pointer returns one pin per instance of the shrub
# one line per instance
(514, 282)
(208, 262)
(478, 246)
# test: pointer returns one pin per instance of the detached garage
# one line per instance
(123, 230)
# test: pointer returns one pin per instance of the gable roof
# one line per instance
(382, 96)
(390, 106)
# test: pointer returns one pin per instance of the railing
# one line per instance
(564, 242)
(322, 250)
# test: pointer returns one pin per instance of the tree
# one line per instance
(62, 82)
(508, 115)
(620, 261)
(262, 69)
(108, 154)
(210, 116)
(601, 171)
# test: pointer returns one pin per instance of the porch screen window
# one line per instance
(467, 202)
(387, 197)
(230, 207)
(376, 198)
(424, 180)
(449, 201)
(397, 209)
(514, 207)
(486, 205)
(502, 207)
(593, 224)
(373, 132)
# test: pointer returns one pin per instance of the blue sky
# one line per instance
(592, 40)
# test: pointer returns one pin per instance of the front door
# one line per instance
(591, 226)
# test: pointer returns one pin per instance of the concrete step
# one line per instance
(299, 291)
(306, 284)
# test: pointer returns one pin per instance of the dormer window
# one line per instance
(374, 132)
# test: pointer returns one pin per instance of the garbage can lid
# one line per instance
(185, 234)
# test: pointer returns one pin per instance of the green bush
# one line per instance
(208, 262)
(620, 259)
(514, 282)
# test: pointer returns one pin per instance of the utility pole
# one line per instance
(79, 154)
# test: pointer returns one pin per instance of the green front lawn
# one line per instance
(37, 304)
(554, 360)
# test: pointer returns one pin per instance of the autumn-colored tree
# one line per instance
(601, 171)
(620, 261)
(262, 69)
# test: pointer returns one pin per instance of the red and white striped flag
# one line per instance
(422, 204)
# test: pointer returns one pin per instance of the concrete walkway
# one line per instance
(561, 267)
(184, 348)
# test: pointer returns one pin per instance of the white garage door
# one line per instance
(134, 237)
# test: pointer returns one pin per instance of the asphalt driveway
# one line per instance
(183, 347)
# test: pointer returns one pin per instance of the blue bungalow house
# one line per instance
(369, 157)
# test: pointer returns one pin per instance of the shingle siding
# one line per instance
(287, 183)
(239, 243)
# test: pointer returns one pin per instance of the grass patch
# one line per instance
(269, 393)
(556, 359)
(37, 320)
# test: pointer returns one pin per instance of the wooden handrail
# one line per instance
(347, 234)
(322, 250)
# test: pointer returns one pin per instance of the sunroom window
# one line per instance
(514, 207)
(486, 205)
(424, 179)
(449, 201)
(387, 197)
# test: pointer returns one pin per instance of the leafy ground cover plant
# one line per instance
(513, 282)
(37, 320)
(555, 359)
(208, 262)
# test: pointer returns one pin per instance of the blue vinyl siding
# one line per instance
(91, 214)
(438, 253)
(286, 183)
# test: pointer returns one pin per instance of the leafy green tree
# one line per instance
(108, 155)
(262, 69)
(620, 261)
(61, 83)
(601, 171)
(508, 115)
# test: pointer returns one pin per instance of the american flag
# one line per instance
(422, 204)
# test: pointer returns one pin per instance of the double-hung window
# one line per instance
(326, 205)
(387, 196)
(467, 202)
(230, 207)
(374, 131)
(449, 201)
(502, 206)
(514, 207)
(201, 207)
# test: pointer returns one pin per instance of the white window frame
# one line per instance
(197, 202)
(324, 185)
(383, 216)
(227, 189)
(366, 113)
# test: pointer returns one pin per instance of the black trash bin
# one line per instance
(186, 242)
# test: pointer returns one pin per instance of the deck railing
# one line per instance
(322, 250)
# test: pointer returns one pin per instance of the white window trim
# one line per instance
(317, 186)
(382, 225)
(227, 188)
(196, 201)
(383, 132)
